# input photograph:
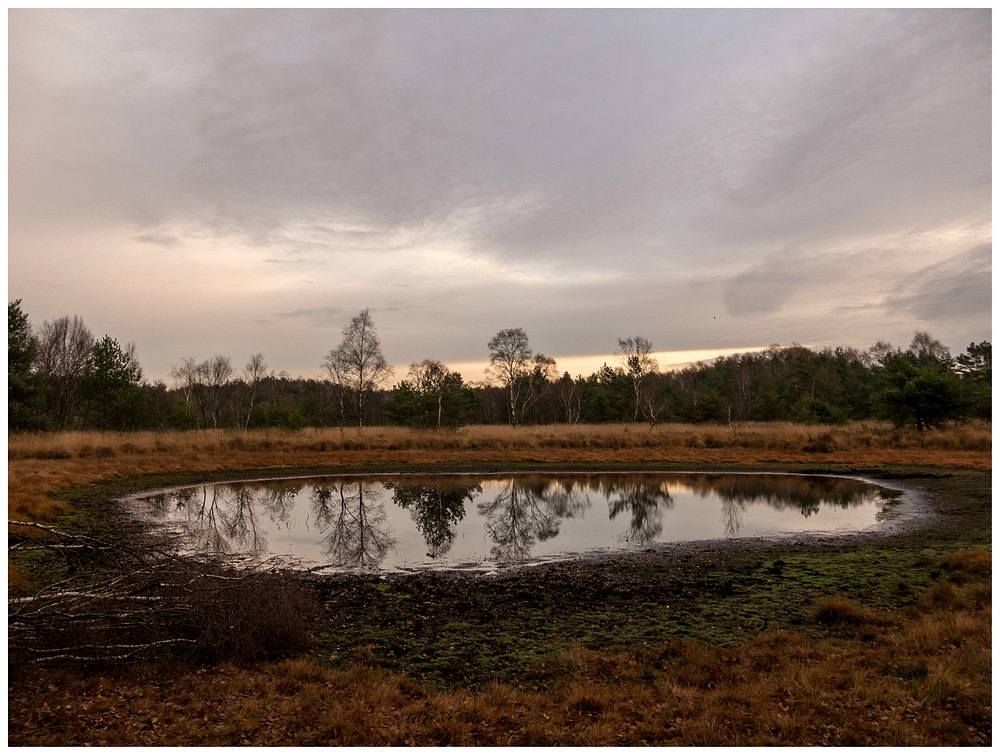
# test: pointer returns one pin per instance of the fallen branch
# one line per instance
(170, 605)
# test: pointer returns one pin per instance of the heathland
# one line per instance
(864, 640)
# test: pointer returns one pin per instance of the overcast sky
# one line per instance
(206, 182)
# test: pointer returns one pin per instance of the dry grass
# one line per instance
(40, 465)
(835, 610)
(769, 436)
(926, 680)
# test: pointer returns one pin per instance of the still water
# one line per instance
(406, 522)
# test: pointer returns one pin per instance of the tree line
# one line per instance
(61, 377)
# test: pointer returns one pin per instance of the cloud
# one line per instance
(959, 287)
(528, 132)
(765, 288)
(160, 239)
(571, 172)
(318, 315)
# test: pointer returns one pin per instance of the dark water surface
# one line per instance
(405, 522)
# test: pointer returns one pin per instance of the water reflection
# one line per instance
(645, 501)
(436, 507)
(779, 492)
(515, 518)
(373, 523)
(226, 519)
(352, 518)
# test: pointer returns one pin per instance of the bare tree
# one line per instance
(215, 374)
(509, 357)
(63, 348)
(359, 360)
(338, 382)
(206, 385)
(254, 371)
(542, 375)
(185, 379)
(877, 353)
(636, 357)
(570, 398)
(925, 345)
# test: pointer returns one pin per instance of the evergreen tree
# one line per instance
(976, 369)
(921, 390)
(111, 388)
(25, 387)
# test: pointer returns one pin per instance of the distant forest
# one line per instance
(61, 377)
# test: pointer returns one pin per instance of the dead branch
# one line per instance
(147, 605)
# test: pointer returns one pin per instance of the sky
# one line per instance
(232, 182)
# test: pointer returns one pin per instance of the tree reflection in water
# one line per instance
(514, 519)
(645, 500)
(780, 492)
(565, 499)
(734, 506)
(518, 513)
(436, 508)
(223, 520)
(279, 501)
(226, 518)
(353, 516)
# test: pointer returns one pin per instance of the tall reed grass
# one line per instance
(773, 436)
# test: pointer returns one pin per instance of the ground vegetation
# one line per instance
(880, 640)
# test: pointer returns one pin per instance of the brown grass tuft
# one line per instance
(975, 561)
(842, 611)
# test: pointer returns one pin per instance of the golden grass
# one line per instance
(836, 610)
(926, 680)
(771, 436)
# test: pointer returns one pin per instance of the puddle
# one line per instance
(392, 523)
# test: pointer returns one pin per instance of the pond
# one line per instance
(483, 522)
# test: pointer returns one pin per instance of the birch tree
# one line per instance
(636, 357)
(509, 359)
(253, 373)
(430, 378)
(359, 360)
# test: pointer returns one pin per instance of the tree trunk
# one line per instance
(253, 394)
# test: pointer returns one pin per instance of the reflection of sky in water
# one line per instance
(450, 520)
